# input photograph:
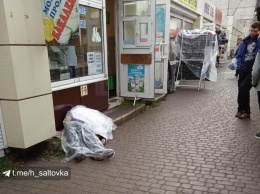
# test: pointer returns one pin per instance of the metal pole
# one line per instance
(228, 7)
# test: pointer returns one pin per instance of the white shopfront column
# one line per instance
(25, 88)
(198, 23)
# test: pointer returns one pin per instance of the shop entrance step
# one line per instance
(121, 114)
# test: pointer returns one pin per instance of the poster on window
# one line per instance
(136, 78)
(61, 22)
(94, 60)
(160, 30)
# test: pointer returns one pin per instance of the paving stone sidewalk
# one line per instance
(192, 143)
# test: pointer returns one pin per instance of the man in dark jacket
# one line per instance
(238, 44)
(245, 60)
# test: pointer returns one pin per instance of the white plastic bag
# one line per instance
(233, 64)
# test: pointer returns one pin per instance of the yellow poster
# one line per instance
(61, 22)
(191, 3)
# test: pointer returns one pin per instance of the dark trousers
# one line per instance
(244, 86)
(217, 60)
(236, 74)
(258, 95)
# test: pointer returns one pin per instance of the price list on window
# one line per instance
(82, 21)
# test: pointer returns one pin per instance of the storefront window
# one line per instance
(144, 32)
(175, 26)
(188, 26)
(129, 33)
(67, 62)
(137, 8)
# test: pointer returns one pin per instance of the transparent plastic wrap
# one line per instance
(198, 49)
(96, 121)
(78, 139)
(79, 136)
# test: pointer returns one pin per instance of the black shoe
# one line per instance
(239, 113)
(244, 116)
(257, 135)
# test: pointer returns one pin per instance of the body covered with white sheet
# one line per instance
(80, 133)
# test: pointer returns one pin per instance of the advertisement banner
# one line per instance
(209, 10)
(218, 16)
(191, 3)
(136, 78)
(61, 22)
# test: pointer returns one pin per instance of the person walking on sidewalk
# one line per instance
(245, 60)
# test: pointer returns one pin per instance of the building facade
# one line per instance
(77, 46)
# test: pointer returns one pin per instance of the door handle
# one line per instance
(162, 49)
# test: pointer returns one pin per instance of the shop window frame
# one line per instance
(73, 82)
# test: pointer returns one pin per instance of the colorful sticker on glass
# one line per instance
(82, 10)
(136, 78)
(61, 22)
(83, 24)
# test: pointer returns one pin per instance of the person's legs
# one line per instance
(258, 95)
(244, 91)
(236, 74)
(244, 101)
(240, 101)
(240, 96)
(217, 61)
(247, 102)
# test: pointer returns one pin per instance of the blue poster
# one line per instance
(136, 78)
(160, 20)
(160, 30)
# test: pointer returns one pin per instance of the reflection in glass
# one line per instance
(144, 32)
(159, 49)
(137, 8)
(68, 62)
(129, 32)
(175, 26)
(158, 81)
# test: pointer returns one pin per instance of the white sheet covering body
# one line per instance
(79, 134)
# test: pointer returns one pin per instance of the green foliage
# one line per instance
(6, 164)
(130, 103)
(127, 103)
(156, 103)
(55, 152)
